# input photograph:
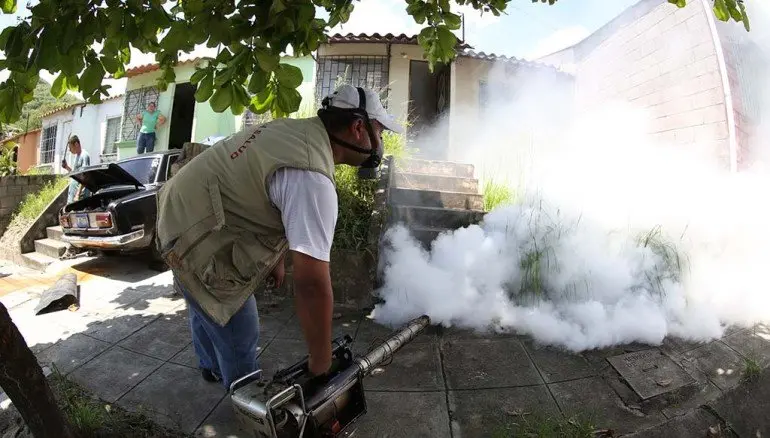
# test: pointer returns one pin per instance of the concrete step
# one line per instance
(433, 167)
(426, 235)
(435, 182)
(435, 217)
(35, 260)
(54, 233)
(436, 198)
(50, 247)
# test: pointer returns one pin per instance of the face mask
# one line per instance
(367, 169)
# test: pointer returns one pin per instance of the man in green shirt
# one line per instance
(151, 119)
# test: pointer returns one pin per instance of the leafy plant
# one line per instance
(7, 164)
(62, 37)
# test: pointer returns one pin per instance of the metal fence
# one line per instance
(48, 144)
(359, 71)
(134, 103)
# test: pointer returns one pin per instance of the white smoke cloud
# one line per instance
(591, 186)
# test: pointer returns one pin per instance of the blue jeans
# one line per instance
(230, 352)
(145, 142)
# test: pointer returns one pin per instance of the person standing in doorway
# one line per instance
(150, 120)
(81, 159)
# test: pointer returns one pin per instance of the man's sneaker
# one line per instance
(209, 376)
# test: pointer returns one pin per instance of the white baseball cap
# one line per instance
(346, 96)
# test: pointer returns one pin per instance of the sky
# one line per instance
(526, 30)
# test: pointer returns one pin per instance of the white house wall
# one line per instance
(91, 127)
(88, 122)
(59, 119)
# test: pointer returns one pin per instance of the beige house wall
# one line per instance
(401, 56)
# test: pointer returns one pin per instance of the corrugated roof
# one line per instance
(467, 53)
(377, 38)
(147, 68)
(21, 134)
(70, 106)
(373, 38)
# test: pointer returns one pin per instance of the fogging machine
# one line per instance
(295, 404)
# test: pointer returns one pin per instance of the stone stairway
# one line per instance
(47, 250)
(430, 197)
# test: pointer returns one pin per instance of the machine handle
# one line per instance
(236, 384)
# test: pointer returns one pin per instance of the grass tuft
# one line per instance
(751, 370)
(546, 426)
(91, 417)
(496, 194)
(671, 263)
(34, 203)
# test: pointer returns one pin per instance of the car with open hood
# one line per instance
(120, 213)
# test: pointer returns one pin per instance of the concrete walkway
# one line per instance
(129, 343)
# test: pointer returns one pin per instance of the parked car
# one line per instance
(120, 214)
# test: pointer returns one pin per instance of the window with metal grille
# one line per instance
(111, 136)
(359, 71)
(251, 119)
(48, 144)
(134, 103)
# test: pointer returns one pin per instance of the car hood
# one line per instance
(98, 177)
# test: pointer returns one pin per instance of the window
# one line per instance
(112, 136)
(143, 169)
(359, 71)
(171, 160)
(48, 144)
(135, 102)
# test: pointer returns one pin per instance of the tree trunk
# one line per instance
(23, 381)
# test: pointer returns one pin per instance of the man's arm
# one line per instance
(308, 204)
(313, 298)
(139, 118)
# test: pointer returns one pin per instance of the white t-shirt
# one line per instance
(308, 204)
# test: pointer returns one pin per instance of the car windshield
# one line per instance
(143, 169)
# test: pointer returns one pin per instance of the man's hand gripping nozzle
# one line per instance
(295, 404)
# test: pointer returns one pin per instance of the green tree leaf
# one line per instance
(720, 10)
(288, 99)
(221, 99)
(9, 6)
(452, 21)
(262, 101)
(205, 89)
(198, 75)
(258, 82)
(289, 76)
(59, 86)
(267, 61)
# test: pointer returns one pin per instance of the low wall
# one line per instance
(13, 189)
(48, 218)
(354, 273)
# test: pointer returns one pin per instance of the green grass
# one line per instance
(546, 426)
(38, 171)
(91, 417)
(496, 194)
(34, 203)
(751, 369)
(672, 261)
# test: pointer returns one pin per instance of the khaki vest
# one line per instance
(217, 229)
